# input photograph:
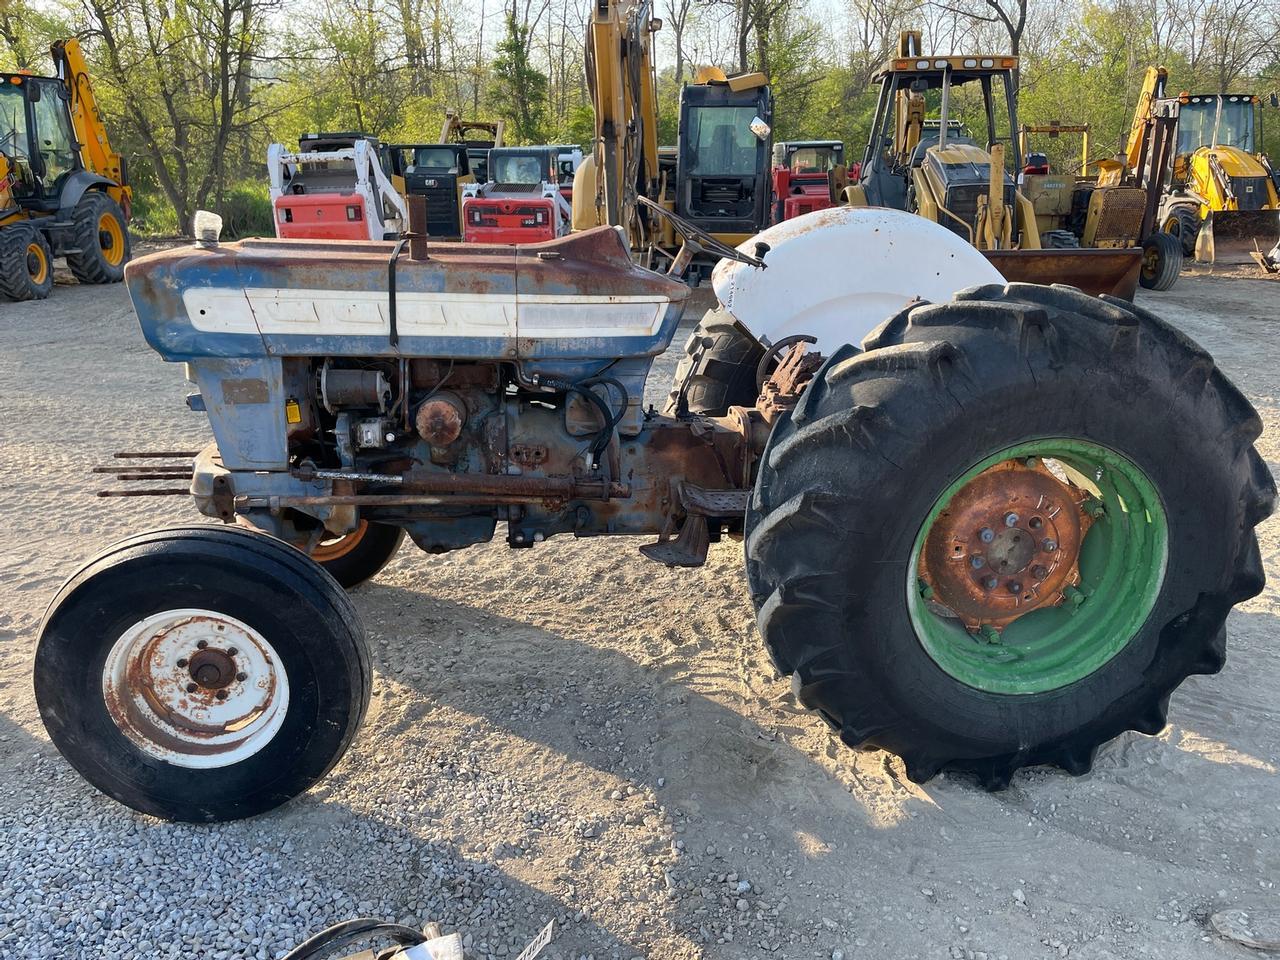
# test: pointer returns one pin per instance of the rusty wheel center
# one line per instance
(1007, 543)
(212, 669)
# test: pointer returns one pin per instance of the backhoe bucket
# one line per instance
(1234, 236)
(1095, 271)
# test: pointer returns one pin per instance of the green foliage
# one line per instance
(247, 212)
(517, 89)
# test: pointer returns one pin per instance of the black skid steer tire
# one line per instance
(1184, 222)
(718, 369)
(850, 476)
(1161, 261)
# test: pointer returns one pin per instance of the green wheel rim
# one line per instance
(1122, 563)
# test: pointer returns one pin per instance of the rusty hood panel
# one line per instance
(575, 297)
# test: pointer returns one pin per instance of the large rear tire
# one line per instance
(865, 553)
(202, 673)
(1183, 222)
(718, 370)
(100, 239)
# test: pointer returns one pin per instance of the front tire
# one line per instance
(1161, 261)
(26, 262)
(202, 673)
(849, 551)
(1183, 222)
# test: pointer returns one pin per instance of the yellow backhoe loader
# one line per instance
(1222, 196)
(916, 160)
(63, 190)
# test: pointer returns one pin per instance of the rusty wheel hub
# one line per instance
(195, 688)
(1007, 543)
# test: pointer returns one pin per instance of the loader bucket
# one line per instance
(1095, 271)
(1233, 236)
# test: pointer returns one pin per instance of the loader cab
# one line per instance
(37, 138)
(921, 155)
(1217, 120)
(439, 172)
(521, 203)
(723, 155)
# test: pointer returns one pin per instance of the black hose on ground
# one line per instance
(342, 934)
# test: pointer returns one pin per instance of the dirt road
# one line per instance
(576, 733)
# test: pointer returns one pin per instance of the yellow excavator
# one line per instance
(1222, 196)
(63, 190)
(718, 179)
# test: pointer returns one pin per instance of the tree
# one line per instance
(518, 91)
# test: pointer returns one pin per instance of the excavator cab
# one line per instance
(724, 155)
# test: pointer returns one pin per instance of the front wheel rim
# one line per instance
(1094, 610)
(111, 239)
(195, 688)
(334, 548)
(37, 263)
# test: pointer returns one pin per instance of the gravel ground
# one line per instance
(575, 733)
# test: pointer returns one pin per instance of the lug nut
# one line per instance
(202, 644)
(182, 662)
(242, 677)
(1048, 544)
(221, 694)
(986, 534)
(977, 562)
(1010, 519)
(1015, 586)
(1035, 523)
(232, 651)
(991, 583)
(191, 688)
(1040, 571)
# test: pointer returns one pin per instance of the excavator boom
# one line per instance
(86, 120)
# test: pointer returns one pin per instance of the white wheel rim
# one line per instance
(195, 688)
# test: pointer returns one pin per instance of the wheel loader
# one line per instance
(966, 184)
(63, 190)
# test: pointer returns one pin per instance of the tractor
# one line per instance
(63, 190)
(917, 160)
(985, 524)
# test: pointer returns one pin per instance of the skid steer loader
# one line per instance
(965, 184)
(63, 190)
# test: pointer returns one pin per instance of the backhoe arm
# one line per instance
(86, 120)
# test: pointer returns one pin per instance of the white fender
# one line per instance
(837, 273)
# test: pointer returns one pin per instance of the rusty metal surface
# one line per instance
(781, 392)
(1096, 272)
(1007, 543)
(439, 420)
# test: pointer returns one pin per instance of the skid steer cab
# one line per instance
(807, 175)
(970, 590)
(440, 172)
(63, 190)
(335, 186)
(522, 203)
